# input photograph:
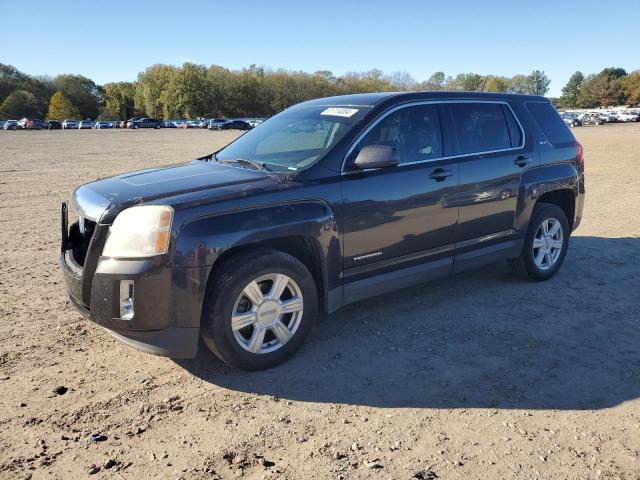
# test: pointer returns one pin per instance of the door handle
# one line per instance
(440, 174)
(522, 161)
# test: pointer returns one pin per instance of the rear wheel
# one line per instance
(259, 309)
(545, 245)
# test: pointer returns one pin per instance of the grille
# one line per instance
(79, 239)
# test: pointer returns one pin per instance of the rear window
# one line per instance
(481, 127)
(550, 122)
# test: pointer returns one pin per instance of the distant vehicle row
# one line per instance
(577, 119)
(133, 123)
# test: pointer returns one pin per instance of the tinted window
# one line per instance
(550, 122)
(515, 132)
(481, 127)
(413, 131)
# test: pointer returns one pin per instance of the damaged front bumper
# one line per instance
(166, 302)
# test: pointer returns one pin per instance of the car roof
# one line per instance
(372, 99)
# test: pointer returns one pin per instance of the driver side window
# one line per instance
(414, 132)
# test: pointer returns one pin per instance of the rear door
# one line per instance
(493, 154)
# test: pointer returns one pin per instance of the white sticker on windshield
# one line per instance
(340, 112)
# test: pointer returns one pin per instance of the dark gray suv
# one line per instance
(327, 203)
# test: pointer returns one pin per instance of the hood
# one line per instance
(101, 200)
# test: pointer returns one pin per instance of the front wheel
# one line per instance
(545, 245)
(259, 309)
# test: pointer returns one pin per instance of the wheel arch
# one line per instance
(306, 230)
(555, 183)
(304, 248)
(565, 199)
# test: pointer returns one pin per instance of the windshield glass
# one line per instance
(295, 138)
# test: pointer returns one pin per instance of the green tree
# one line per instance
(519, 84)
(631, 88)
(435, 82)
(189, 90)
(496, 84)
(603, 89)
(538, 83)
(469, 82)
(119, 100)
(11, 79)
(83, 93)
(152, 94)
(18, 104)
(60, 107)
(571, 90)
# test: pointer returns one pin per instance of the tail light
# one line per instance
(579, 155)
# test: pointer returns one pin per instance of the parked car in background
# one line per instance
(125, 123)
(192, 124)
(145, 123)
(234, 125)
(104, 124)
(84, 124)
(213, 122)
(628, 117)
(170, 124)
(10, 125)
(571, 120)
(32, 124)
(592, 119)
(67, 124)
(54, 125)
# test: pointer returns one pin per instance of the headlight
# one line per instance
(141, 231)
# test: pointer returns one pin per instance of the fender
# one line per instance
(202, 240)
(540, 180)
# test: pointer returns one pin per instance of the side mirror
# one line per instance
(376, 156)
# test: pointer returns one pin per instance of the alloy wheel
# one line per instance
(267, 313)
(548, 243)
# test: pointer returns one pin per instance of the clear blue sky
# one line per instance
(114, 40)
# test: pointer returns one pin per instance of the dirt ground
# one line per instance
(477, 376)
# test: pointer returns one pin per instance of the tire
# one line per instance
(525, 266)
(226, 295)
(135, 127)
(157, 127)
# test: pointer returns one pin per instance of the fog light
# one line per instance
(126, 299)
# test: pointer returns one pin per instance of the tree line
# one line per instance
(610, 87)
(193, 90)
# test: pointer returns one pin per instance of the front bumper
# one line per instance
(167, 303)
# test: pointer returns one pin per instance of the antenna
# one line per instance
(484, 83)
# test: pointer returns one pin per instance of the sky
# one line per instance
(115, 40)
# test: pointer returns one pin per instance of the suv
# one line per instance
(145, 123)
(368, 193)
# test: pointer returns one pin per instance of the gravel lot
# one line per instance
(477, 376)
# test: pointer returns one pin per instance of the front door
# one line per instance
(395, 215)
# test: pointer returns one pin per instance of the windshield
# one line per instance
(296, 138)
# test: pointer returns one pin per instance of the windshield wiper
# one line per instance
(242, 161)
